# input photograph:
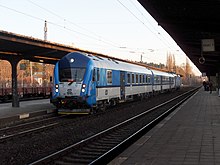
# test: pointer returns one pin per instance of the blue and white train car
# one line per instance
(177, 81)
(163, 81)
(84, 82)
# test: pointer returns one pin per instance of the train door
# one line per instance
(170, 83)
(122, 85)
(95, 79)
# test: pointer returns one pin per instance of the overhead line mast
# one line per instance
(45, 30)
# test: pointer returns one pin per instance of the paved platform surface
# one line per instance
(26, 109)
(188, 136)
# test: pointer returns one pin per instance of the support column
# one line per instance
(218, 82)
(15, 97)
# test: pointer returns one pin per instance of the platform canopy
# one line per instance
(194, 25)
(15, 45)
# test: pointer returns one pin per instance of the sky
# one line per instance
(119, 28)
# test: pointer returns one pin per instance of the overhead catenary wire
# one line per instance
(64, 19)
(143, 23)
(58, 25)
(97, 38)
(66, 28)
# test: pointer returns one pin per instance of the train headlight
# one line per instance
(72, 60)
(83, 88)
(57, 88)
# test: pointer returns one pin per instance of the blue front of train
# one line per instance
(73, 91)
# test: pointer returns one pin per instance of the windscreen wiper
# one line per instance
(70, 82)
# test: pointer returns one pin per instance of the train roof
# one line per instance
(109, 63)
(163, 73)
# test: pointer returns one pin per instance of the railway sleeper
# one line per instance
(107, 142)
(105, 145)
(99, 146)
(80, 159)
(116, 135)
(60, 162)
(110, 139)
(76, 155)
(116, 139)
(93, 149)
(83, 152)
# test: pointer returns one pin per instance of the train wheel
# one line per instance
(102, 108)
(113, 103)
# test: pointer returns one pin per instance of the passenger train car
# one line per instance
(84, 83)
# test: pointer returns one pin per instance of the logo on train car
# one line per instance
(69, 91)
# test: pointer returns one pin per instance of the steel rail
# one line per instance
(24, 128)
(3, 137)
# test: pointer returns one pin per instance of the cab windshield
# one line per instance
(71, 74)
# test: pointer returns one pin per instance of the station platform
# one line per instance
(27, 109)
(188, 136)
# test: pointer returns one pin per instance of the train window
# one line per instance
(132, 78)
(98, 74)
(109, 76)
(157, 79)
(172, 80)
(163, 79)
(136, 78)
(140, 78)
(71, 74)
(93, 75)
(148, 79)
(143, 79)
(167, 80)
(128, 78)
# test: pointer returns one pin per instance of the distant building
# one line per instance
(5, 74)
(40, 74)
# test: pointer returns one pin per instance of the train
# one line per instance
(86, 83)
(25, 93)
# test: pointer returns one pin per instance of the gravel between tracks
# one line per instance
(28, 148)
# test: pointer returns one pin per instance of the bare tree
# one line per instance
(171, 63)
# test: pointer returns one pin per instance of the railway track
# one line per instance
(104, 146)
(38, 125)
(29, 127)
